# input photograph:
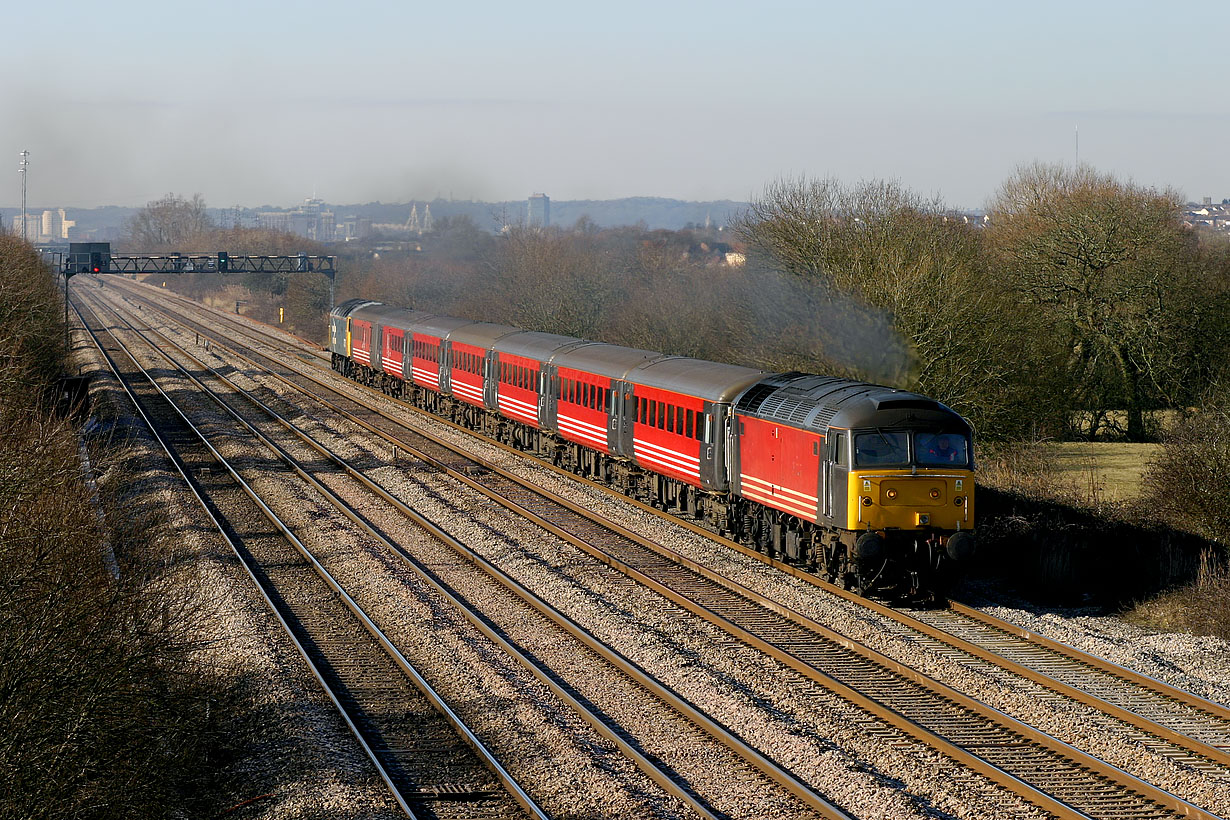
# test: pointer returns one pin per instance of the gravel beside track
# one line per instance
(291, 756)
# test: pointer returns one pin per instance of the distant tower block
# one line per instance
(539, 210)
(412, 224)
(429, 224)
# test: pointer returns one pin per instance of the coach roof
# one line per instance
(481, 334)
(711, 381)
(603, 359)
(389, 316)
(537, 345)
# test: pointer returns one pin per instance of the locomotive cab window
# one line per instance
(934, 449)
(882, 448)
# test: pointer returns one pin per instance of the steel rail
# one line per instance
(239, 553)
(754, 758)
(489, 760)
(1081, 759)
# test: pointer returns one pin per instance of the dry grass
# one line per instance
(1202, 607)
(1112, 471)
(1064, 523)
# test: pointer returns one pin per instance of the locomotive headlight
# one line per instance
(958, 501)
(891, 493)
(866, 501)
(935, 493)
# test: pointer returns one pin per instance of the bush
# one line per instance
(103, 710)
(1186, 484)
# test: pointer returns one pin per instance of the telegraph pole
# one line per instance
(21, 169)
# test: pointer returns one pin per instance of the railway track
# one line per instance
(433, 765)
(552, 625)
(832, 665)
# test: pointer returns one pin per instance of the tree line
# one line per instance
(1080, 307)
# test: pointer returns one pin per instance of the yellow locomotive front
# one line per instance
(903, 480)
(910, 506)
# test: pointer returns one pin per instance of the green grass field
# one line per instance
(1107, 470)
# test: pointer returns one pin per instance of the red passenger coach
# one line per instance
(517, 391)
(668, 433)
(392, 351)
(680, 416)
(428, 351)
(589, 376)
(425, 361)
(466, 372)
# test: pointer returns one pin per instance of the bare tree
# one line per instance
(170, 222)
(1114, 276)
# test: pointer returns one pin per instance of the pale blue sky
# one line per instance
(254, 102)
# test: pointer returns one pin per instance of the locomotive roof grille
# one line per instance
(790, 408)
(751, 400)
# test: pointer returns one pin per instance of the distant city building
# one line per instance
(353, 227)
(1208, 216)
(310, 221)
(540, 210)
(49, 226)
(32, 228)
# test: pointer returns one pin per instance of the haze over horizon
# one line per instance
(247, 103)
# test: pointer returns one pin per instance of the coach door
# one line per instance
(621, 419)
(833, 486)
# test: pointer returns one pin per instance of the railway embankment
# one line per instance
(123, 691)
